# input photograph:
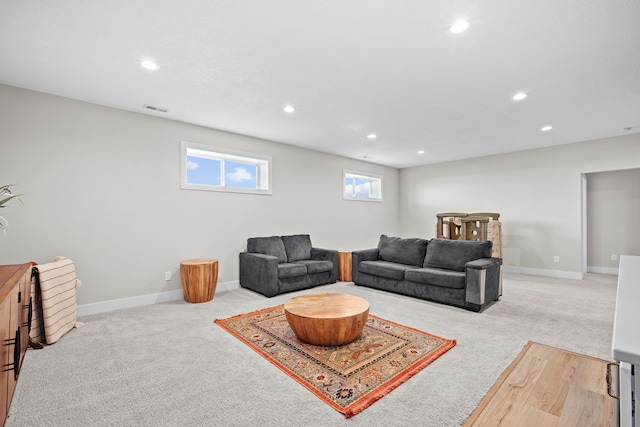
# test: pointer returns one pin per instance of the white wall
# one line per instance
(537, 193)
(613, 206)
(102, 186)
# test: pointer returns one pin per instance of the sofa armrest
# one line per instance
(482, 263)
(327, 255)
(259, 273)
(482, 282)
(357, 257)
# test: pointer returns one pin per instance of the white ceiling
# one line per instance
(350, 68)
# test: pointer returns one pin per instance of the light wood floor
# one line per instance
(546, 386)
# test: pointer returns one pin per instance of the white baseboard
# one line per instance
(118, 304)
(603, 270)
(543, 272)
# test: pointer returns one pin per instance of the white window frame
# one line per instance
(376, 186)
(262, 164)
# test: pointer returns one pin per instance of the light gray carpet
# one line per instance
(170, 365)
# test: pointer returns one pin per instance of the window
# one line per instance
(359, 186)
(216, 169)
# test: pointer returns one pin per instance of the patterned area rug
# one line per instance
(350, 377)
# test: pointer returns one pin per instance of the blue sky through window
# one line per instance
(363, 188)
(355, 187)
(217, 169)
(240, 175)
(348, 187)
(203, 171)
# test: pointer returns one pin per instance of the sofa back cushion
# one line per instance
(267, 246)
(403, 251)
(298, 247)
(454, 254)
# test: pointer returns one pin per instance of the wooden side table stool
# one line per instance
(345, 262)
(199, 278)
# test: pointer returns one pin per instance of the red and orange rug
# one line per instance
(350, 377)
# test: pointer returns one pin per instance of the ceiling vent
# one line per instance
(152, 108)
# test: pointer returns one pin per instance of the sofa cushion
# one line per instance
(286, 270)
(454, 254)
(390, 270)
(404, 251)
(297, 247)
(437, 277)
(314, 266)
(268, 246)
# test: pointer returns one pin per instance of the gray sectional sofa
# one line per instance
(461, 273)
(278, 264)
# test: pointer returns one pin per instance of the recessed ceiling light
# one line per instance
(365, 157)
(546, 128)
(421, 152)
(519, 96)
(459, 27)
(149, 65)
(627, 129)
(372, 136)
(289, 109)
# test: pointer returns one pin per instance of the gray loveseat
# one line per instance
(275, 265)
(455, 272)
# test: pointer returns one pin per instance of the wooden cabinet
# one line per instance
(5, 356)
(15, 317)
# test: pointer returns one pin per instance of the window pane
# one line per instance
(217, 169)
(359, 186)
(376, 189)
(348, 187)
(203, 171)
(240, 175)
(363, 188)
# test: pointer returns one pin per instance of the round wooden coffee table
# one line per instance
(327, 319)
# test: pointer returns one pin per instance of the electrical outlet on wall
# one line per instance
(556, 258)
(167, 275)
(614, 257)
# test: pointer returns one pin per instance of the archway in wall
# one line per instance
(610, 206)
